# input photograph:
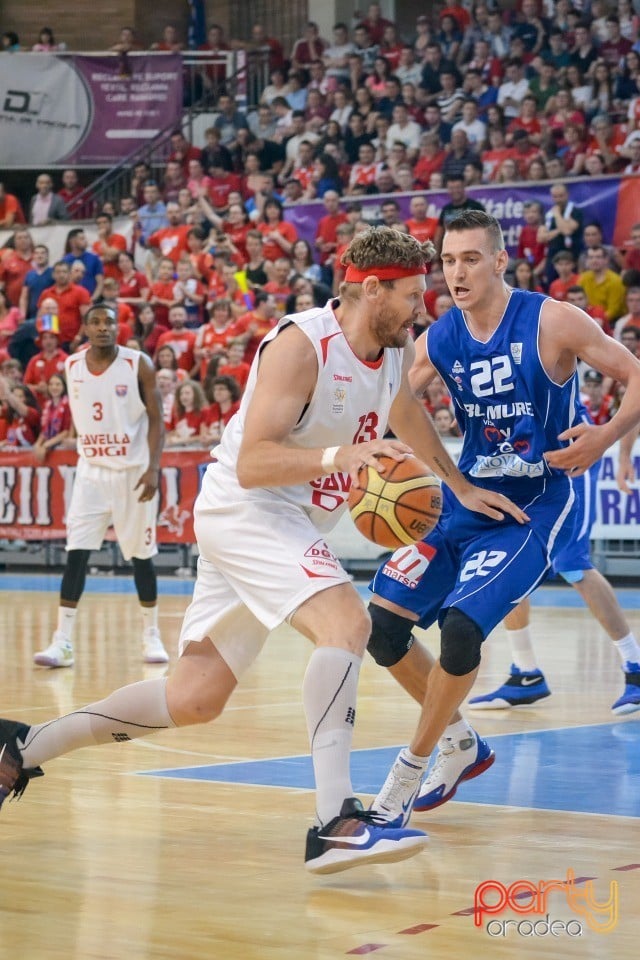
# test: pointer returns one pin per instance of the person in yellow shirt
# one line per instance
(603, 286)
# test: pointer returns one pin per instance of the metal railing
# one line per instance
(241, 74)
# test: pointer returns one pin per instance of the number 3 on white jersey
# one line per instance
(493, 376)
(481, 564)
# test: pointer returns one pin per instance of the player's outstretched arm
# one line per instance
(286, 381)
(150, 394)
(410, 421)
(569, 334)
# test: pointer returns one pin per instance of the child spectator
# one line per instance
(565, 267)
(189, 293)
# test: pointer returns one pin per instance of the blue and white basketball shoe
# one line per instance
(454, 763)
(629, 702)
(358, 836)
(523, 688)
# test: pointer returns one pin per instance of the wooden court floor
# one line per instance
(101, 863)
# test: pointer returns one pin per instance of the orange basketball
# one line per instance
(397, 507)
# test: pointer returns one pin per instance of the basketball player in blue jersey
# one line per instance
(508, 358)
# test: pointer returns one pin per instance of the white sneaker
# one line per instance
(455, 762)
(395, 800)
(59, 653)
(152, 647)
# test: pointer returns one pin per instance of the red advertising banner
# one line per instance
(34, 496)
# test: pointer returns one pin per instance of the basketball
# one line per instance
(397, 507)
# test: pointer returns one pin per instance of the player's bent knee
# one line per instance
(391, 637)
(460, 643)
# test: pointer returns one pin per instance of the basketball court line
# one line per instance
(532, 771)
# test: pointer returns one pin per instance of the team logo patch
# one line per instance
(121, 390)
(516, 352)
(457, 367)
(339, 397)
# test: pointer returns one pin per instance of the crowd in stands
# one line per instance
(479, 94)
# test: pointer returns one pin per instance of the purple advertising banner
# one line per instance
(596, 197)
(91, 110)
(133, 97)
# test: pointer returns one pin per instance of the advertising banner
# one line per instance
(91, 110)
(598, 198)
(34, 496)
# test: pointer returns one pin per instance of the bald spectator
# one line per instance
(419, 225)
(171, 241)
(46, 206)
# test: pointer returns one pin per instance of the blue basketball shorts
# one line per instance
(575, 558)
(482, 566)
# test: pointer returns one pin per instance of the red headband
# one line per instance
(355, 275)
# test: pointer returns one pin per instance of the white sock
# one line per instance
(628, 649)
(413, 760)
(150, 617)
(66, 620)
(456, 732)
(329, 694)
(522, 652)
(136, 710)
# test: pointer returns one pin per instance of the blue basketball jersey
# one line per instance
(509, 410)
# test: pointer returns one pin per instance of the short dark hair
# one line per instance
(477, 220)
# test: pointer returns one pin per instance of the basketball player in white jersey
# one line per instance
(117, 414)
(320, 392)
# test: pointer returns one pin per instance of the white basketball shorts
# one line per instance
(102, 497)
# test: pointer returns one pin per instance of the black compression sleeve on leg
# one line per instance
(144, 576)
(75, 574)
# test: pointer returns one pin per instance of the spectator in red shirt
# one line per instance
(22, 419)
(16, 263)
(577, 296)
(601, 406)
(49, 360)
(217, 335)
(161, 292)
(326, 239)
(529, 248)
(171, 241)
(629, 256)
(215, 74)
(10, 209)
(71, 190)
(308, 48)
(565, 266)
(181, 340)
(182, 151)
(254, 325)
(226, 394)
(419, 224)
(279, 286)
(279, 235)
(55, 419)
(236, 366)
(133, 285)
(187, 415)
(73, 302)
(375, 23)
(109, 245)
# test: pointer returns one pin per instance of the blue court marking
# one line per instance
(544, 769)
(50, 583)
(563, 597)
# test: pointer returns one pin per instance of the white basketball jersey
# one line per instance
(350, 404)
(108, 413)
